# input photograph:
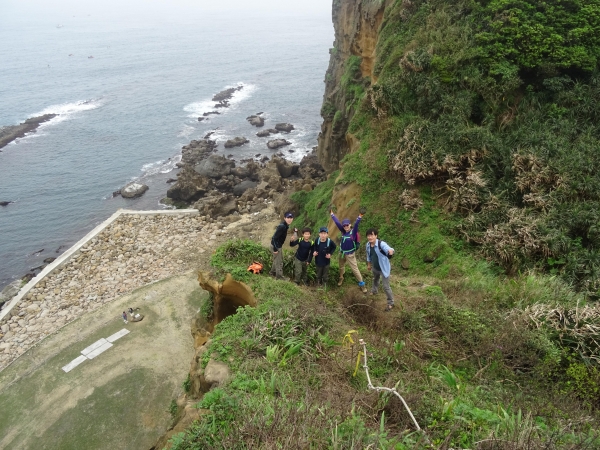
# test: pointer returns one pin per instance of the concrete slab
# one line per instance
(74, 363)
(117, 335)
(99, 350)
(99, 343)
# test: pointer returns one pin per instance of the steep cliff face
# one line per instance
(356, 24)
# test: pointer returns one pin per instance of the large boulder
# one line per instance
(133, 190)
(197, 151)
(267, 132)
(311, 168)
(286, 168)
(236, 142)
(286, 127)
(242, 187)
(215, 166)
(217, 205)
(190, 186)
(257, 121)
(276, 143)
(216, 373)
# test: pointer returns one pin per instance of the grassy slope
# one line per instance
(467, 373)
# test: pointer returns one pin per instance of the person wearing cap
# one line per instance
(348, 246)
(322, 251)
(277, 242)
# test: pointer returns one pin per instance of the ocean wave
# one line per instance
(196, 109)
(67, 110)
(157, 167)
(186, 131)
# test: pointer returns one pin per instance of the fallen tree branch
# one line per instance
(379, 389)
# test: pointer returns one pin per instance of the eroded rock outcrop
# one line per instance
(356, 32)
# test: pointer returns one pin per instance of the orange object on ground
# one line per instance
(255, 268)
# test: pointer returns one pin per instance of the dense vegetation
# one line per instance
(495, 104)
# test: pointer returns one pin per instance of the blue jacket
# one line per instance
(384, 261)
(348, 239)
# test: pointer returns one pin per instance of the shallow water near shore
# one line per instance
(128, 98)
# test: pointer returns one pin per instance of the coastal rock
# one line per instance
(311, 168)
(200, 119)
(242, 187)
(257, 121)
(226, 94)
(190, 186)
(217, 206)
(286, 127)
(12, 132)
(276, 143)
(197, 150)
(133, 190)
(210, 112)
(215, 166)
(267, 132)
(236, 142)
(286, 168)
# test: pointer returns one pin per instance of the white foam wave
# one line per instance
(68, 110)
(196, 109)
(186, 131)
(160, 166)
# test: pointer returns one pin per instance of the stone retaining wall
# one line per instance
(129, 250)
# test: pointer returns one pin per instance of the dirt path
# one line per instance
(120, 399)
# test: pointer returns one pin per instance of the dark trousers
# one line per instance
(322, 274)
(300, 268)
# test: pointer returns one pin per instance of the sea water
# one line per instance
(128, 89)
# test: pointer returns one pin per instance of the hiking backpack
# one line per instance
(382, 252)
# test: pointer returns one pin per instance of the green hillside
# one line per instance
(473, 145)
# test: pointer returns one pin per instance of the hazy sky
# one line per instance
(169, 7)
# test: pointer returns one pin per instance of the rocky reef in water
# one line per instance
(12, 132)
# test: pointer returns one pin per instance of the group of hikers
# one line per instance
(322, 249)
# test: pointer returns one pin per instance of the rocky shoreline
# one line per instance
(12, 132)
(217, 186)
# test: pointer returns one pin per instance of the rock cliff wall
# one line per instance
(351, 64)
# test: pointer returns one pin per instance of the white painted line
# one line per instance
(93, 347)
(99, 350)
(117, 335)
(74, 363)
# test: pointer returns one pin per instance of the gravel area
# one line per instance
(133, 251)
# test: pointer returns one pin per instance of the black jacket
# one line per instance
(305, 250)
(323, 248)
(279, 236)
